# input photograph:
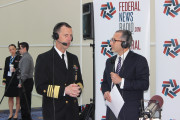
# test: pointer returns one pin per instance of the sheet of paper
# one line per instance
(9, 73)
(116, 101)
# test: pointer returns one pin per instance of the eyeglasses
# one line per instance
(114, 40)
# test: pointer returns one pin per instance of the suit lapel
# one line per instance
(58, 62)
(70, 61)
(126, 63)
(70, 70)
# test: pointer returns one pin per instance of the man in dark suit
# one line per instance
(129, 72)
(58, 77)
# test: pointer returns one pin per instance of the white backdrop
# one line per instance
(110, 16)
(167, 58)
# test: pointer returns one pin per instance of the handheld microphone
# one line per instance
(113, 68)
(17, 52)
(63, 43)
(18, 46)
(113, 63)
(155, 104)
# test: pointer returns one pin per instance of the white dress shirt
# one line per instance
(60, 54)
(123, 57)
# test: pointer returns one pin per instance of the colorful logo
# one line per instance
(103, 118)
(170, 88)
(171, 48)
(171, 7)
(107, 10)
(106, 49)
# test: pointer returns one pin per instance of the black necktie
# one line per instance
(62, 56)
(63, 60)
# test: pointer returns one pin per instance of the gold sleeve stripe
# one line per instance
(49, 92)
(80, 85)
(53, 91)
(56, 91)
(4, 79)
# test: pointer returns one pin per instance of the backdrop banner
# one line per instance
(110, 16)
(167, 56)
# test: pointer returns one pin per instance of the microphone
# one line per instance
(18, 46)
(17, 52)
(113, 60)
(154, 104)
(113, 63)
(63, 43)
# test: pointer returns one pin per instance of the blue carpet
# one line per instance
(36, 114)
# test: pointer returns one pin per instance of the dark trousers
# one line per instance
(111, 115)
(25, 99)
(129, 111)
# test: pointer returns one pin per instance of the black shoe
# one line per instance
(15, 118)
(10, 118)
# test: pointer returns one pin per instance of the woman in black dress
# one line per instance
(12, 91)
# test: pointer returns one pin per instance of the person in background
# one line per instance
(26, 66)
(11, 81)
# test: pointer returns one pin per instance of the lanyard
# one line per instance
(11, 61)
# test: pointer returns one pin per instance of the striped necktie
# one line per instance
(118, 66)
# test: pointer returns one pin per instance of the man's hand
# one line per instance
(14, 70)
(3, 83)
(116, 79)
(72, 90)
(19, 85)
(107, 96)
